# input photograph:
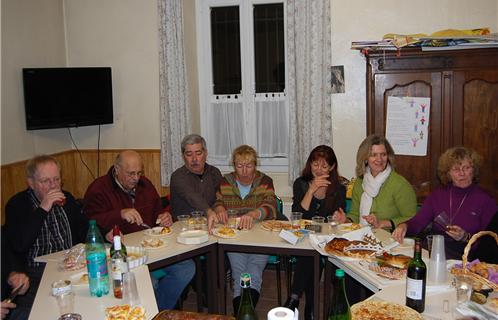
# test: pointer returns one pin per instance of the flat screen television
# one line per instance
(67, 97)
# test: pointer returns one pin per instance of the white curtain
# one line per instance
(225, 125)
(173, 95)
(309, 59)
(227, 118)
(272, 124)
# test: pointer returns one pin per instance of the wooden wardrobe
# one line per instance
(463, 87)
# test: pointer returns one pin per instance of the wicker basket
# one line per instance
(464, 271)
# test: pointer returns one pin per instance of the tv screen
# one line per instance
(67, 97)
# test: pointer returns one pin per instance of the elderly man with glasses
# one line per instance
(126, 198)
(39, 220)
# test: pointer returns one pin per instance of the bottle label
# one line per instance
(414, 288)
(118, 267)
(97, 265)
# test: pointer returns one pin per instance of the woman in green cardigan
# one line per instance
(381, 197)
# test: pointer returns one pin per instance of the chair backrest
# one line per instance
(280, 209)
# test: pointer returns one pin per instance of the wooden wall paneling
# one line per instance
(75, 175)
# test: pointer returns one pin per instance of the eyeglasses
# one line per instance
(134, 174)
(48, 181)
(246, 165)
(457, 169)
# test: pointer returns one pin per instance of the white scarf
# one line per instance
(371, 187)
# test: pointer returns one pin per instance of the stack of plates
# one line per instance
(193, 237)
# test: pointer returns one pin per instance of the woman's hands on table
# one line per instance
(400, 232)
(339, 216)
(376, 223)
(247, 220)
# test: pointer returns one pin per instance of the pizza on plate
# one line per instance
(225, 232)
(383, 310)
(275, 225)
(125, 312)
(152, 243)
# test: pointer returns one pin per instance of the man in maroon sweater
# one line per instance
(125, 197)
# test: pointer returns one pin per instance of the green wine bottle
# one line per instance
(416, 280)
(339, 307)
(246, 308)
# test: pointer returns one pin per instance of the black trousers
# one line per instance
(303, 278)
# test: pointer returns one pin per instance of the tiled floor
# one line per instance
(267, 301)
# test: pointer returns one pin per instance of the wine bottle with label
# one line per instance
(416, 278)
(119, 266)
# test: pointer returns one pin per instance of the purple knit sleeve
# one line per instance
(423, 217)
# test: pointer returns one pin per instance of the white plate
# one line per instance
(150, 244)
(217, 233)
(157, 232)
(78, 279)
(345, 227)
(408, 243)
(193, 237)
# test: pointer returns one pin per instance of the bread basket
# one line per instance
(465, 271)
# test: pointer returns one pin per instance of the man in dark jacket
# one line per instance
(41, 220)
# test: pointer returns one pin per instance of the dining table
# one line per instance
(45, 305)
(256, 240)
(441, 298)
(169, 253)
(261, 241)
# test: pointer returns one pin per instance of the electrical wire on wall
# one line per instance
(79, 152)
(98, 154)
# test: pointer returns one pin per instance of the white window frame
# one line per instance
(204, 63)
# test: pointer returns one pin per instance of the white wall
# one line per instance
(370, 20)
(32, 36)
(121, 34)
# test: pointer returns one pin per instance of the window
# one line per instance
(242, 78)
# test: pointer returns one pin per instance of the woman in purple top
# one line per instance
(457, 210)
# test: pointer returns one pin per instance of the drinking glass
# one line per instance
(296, 219)
(183, 220)
(232, 218)
(65, 302)
(196, 220)
(317, 220)
(463, 285)
(332, 223)
(442, 220)
(130, 292)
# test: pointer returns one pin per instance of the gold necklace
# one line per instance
(453, 216)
